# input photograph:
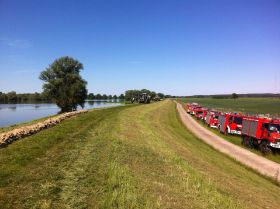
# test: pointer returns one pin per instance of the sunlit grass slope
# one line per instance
(126, 157)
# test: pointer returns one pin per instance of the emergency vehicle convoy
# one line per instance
(256, 132)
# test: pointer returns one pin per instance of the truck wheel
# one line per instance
(243, 140)
(264, 148)
(227, 131)
(248, 142)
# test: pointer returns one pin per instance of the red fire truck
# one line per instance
(261, 132)
(205, 111)
(230, 123)
(191, 107)
(212, 118)
(198, 112)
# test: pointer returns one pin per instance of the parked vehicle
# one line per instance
(144, 98)
(261, 132)
(205, 111)
(194, 109)
(230, 123)
(212, 118)
(141, 98)
(199, 112)
(191, 107)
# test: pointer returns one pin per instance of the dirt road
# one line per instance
(259, 163)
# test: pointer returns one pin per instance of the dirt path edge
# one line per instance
(262, 165)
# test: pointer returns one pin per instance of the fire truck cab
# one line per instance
(212, 118)
(199, 113)
(230, 123)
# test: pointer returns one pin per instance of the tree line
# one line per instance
(135, 93)
(92, 96)
(13, 97)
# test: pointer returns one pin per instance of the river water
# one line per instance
(11, 114)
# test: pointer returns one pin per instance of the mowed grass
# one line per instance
(138, 156)
(244, 105)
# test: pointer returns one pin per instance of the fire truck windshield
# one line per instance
(199, 112)
(274, 128)
(238, 120)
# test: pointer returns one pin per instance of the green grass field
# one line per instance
(244, 105)
(136, 156)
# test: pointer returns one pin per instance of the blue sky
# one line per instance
(178, 47)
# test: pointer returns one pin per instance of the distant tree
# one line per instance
(90, 96)
(145, 91)
(37, 96)
(12, 96)
(131, 93)
(115, 97)
(98, 96)
(104, 96)
(110, 97)
(221, 97)
(153, 94)
(161, 95)
(64, 84)
(121, 96)
(234, 96)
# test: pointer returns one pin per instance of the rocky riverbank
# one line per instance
(11, 136)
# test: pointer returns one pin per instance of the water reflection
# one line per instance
(11, 114)
(37, 106)
(13, 108)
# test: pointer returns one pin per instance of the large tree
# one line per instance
(64, 84)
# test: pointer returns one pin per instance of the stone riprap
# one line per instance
(18, 133)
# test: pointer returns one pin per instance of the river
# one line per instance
(11, 114)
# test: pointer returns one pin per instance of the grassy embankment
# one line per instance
(253, 105)
(126, 157)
